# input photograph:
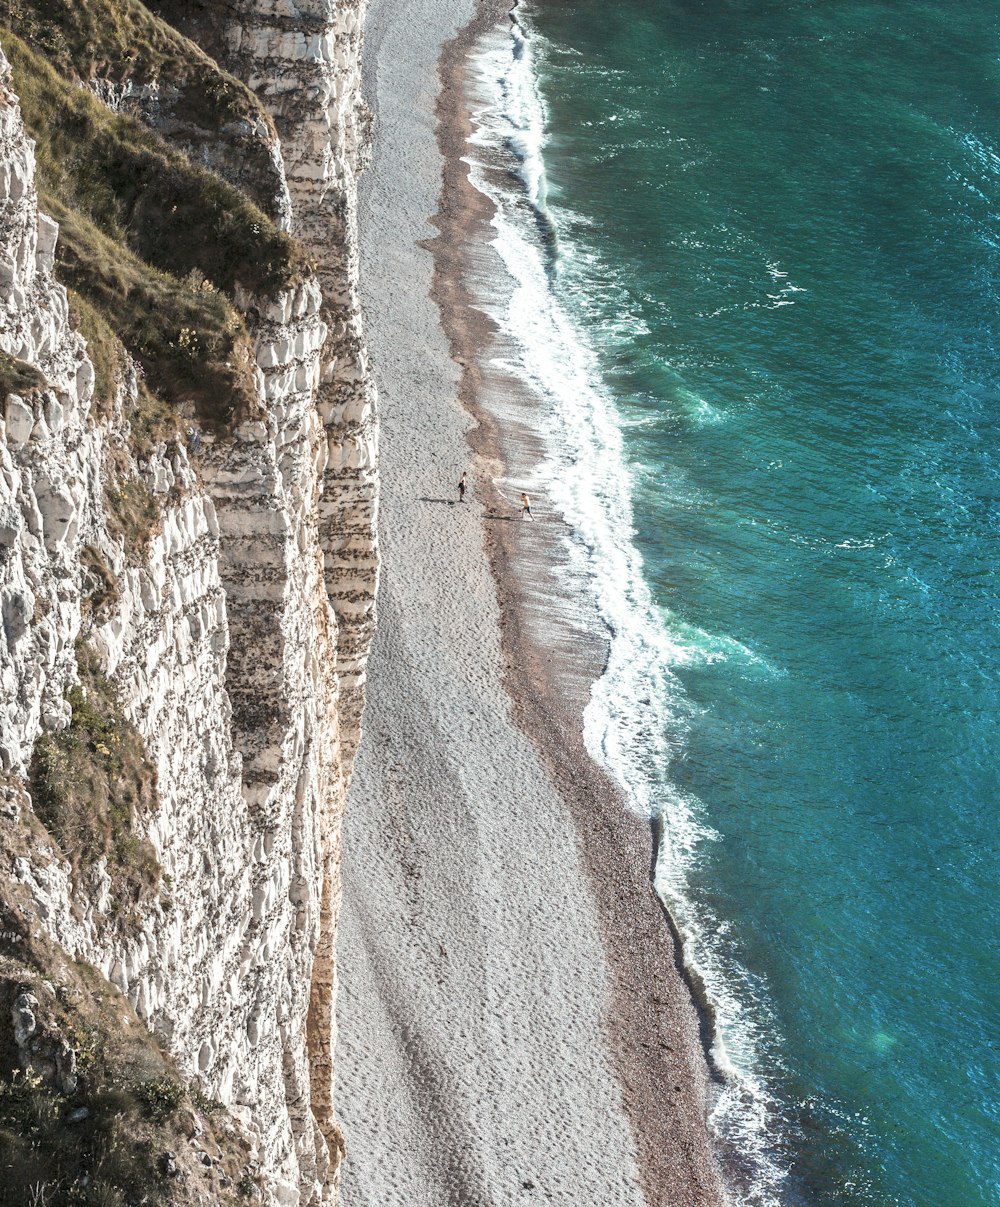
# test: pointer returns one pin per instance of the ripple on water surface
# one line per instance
(761, 320)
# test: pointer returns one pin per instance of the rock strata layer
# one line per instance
(235, 631)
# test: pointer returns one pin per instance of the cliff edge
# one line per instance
(188, 563)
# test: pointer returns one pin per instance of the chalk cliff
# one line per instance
(209, 590)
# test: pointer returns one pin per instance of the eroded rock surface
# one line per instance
(236, 630)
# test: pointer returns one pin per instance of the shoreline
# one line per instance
(653, 1000)
(511, 1022)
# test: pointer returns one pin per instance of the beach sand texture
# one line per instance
(479, 964)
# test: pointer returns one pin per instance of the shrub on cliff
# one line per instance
(191, 343)
(118, 1125)
(17, 376)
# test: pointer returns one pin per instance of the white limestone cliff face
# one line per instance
(41, 521)
(303, 61)
(237, 638)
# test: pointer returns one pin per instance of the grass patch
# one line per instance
(105, 349)
(123, 42)
(132, 514)
(89, 784)
(140, 192)
(18, 377)
(93, 1108)
(157, 248)
(205, 1105)
(100, 584)
(108, 1159)
(192, 345)
(151, 419)
(132, 511)
(161, 1097)
(153, 422)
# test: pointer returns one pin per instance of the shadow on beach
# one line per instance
(490, 515)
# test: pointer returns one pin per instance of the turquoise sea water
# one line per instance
(775, 228)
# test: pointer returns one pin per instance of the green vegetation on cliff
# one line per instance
(93, 1111)
(17, 376)
(139, 191)
(156, 68)
(159, 247)
(90, 783)
(192, 344)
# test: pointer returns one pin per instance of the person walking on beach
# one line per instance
(461, 489)
(526, 507)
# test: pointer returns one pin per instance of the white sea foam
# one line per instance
(636, 720)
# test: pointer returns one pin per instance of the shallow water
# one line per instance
(755, 292)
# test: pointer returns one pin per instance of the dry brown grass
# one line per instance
(123, 42)
(158, 247)
(18, 377)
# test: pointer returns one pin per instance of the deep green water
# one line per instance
(778, 230)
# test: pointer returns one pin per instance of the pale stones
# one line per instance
(55, 714)
(16, 610)
(11, 525)
(45, 249)
(271, 354)
(23, 1019)
(280, 310)
(206, 1057)
(58, 507)
(20, 420)
(53, 412)
(85, 381)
